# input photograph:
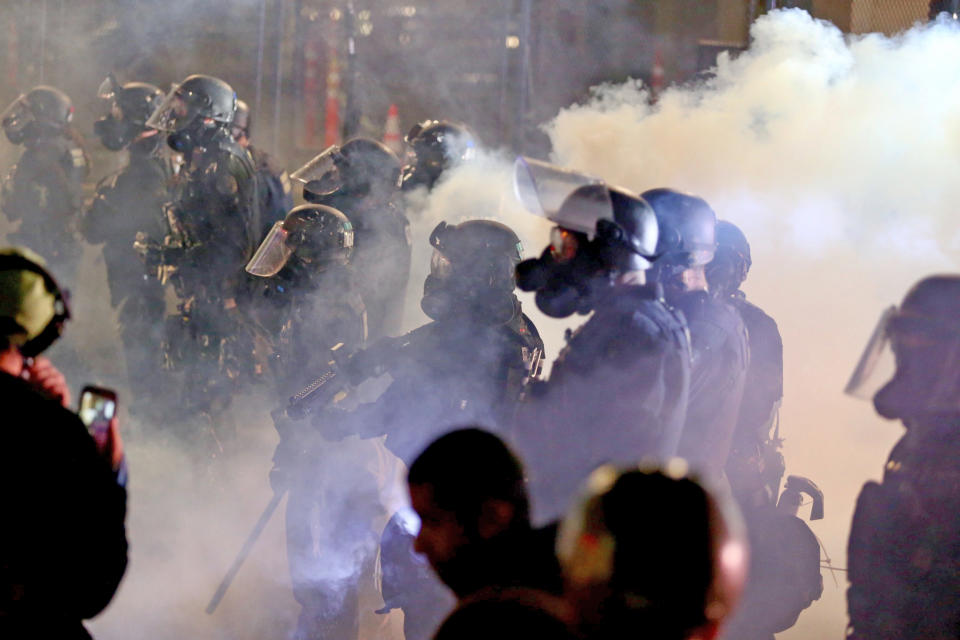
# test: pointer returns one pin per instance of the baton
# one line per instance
(244, 552)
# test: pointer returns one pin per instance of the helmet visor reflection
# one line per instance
(563, 244)
(108, 88)
(320, 165)
(877, 363)
(273, 253)
(321, 176)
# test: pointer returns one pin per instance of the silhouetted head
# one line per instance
(468, 488)
(652, 550)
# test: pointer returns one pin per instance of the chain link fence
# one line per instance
(889, 16)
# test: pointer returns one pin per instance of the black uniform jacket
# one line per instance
(63, 546)
(617, 393)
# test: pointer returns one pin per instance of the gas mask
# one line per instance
(19, 125)
(565, 277)
(181, 141)
(602, 232)
(19, 135)
(188, 118)
(472, 272)
(114, 133)
(447, 292)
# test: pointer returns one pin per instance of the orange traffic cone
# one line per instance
(331, 134)
(391, 133)
(657, 76)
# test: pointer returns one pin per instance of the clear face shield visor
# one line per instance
(321, 175)
(573, 200)
(107, 95)
(877, 364)
(176, 111)
(17, 116)
(272, 254)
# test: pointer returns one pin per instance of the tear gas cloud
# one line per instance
(811, 139)
(838, 156)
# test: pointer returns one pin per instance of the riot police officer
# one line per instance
(904, 548)
(306, 305)
(784, 577)
(467, 365)
(275, 189)
(307, 302)
(436, 146)
(44, 188)
(360, 179)
(755, 466)
(215, 225)
(618, 391)
(717, 334)
(125, 203)
(470, 363)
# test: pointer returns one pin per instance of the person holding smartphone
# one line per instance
(63, 546)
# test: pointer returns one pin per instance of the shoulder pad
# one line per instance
(230, 146)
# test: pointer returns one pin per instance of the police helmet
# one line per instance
(128, 107)
(195, 103)
(731, 262)
(41, 108)
(357, 168)
(911, 365)
(473, 264)
(687, 226)
(313, 235)
(437, 145)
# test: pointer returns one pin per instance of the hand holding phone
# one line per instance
(98, 411)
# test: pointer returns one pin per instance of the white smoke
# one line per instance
(809, 137)
(838, 156)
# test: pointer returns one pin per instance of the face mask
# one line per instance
(560, 300)
(114, 134)
(180, 141)
(445, 297)
(563, 287)
(437, 302)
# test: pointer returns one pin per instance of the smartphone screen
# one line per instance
(97, 408)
